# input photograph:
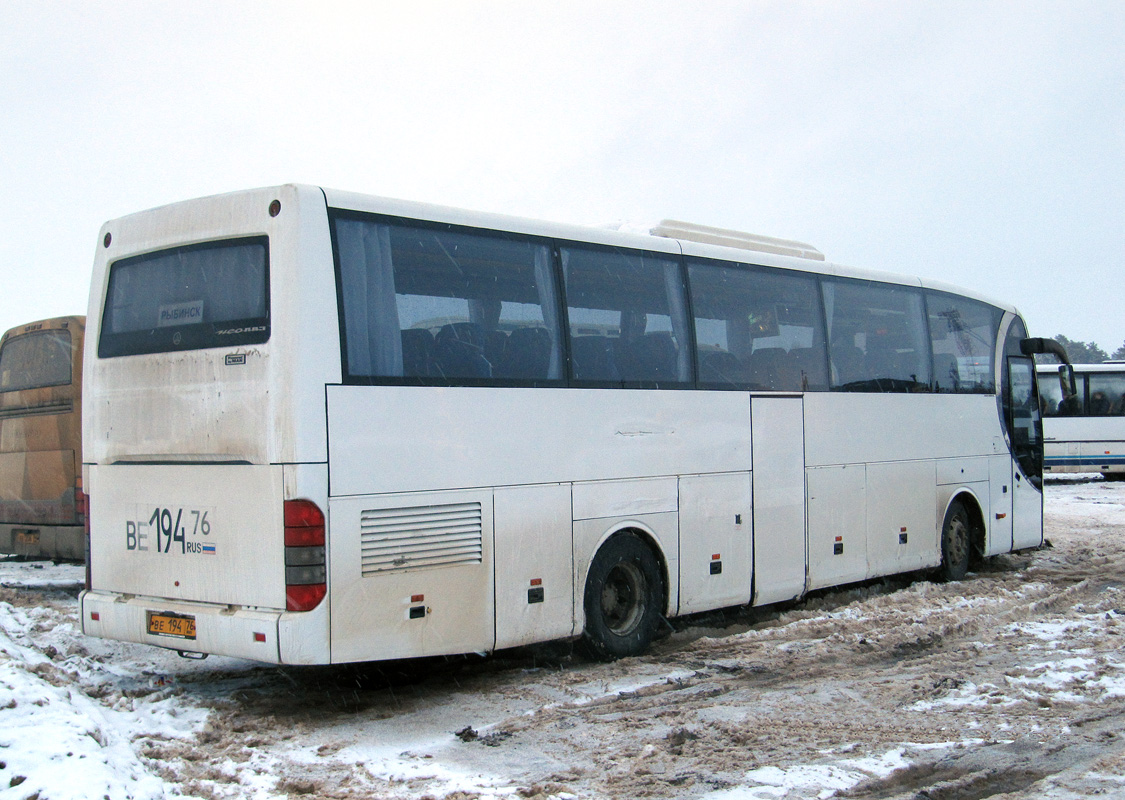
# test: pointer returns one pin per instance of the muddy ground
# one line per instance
(1009, 684)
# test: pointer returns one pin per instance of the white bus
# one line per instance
(322, 427)
(1084, 431)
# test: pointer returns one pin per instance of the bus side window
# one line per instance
(439, 304)
(628, 320)
(757, 328)
(886, 323)
(962, 337)
(1107, 393)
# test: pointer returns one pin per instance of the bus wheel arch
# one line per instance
(962, 537)
(978, 531)
(625, 595)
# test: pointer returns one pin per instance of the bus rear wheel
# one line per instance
(955, 542)
(622, 600)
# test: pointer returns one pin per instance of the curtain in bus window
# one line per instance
(677, 309)
(34, 360)
(371, 327)
(1107, 394)
(544, 276)
(628, 321)
(436, 304)
(876, 337)
(963, 336)
(757, 328)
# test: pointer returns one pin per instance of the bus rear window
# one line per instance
(35, 360)
(188, 298)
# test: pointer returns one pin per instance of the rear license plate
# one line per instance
(165, 623)
(27, 537)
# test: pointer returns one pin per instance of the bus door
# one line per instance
(1025, 428)
(777, 430)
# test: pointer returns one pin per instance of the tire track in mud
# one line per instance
(908, 658)
(947, 671)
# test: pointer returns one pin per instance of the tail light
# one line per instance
(306, 573)
(82, 506)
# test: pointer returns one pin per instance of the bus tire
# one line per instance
(623, 596)
(955, 542)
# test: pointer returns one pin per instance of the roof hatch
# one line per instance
(673, 229)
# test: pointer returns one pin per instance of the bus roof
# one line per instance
(53, 323)
(669, 236)
(693, 239)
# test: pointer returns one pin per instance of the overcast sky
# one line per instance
(980, 143)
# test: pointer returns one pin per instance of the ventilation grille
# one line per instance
(424, 536)
(64, 407)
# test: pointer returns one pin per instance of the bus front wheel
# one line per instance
(955, 542)
(622, 599)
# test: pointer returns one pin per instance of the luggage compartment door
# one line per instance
(411, 575)
(715, 533)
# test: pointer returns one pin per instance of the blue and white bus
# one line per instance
(1084, 431)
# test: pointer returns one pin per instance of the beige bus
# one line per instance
(42, 506)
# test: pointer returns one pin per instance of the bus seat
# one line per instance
(652, 357)
(879, 362)
(417, 352)
(592, 359)
(808, 362)
(719, 366)
(469, 332)
(847, 364)
(786, 372)
(763, 364)
(494, 344)
(459, 352)
(527, 354)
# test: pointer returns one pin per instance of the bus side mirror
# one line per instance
(1066, 380)
(1038, 346)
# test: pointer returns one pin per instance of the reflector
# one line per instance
(304, 598)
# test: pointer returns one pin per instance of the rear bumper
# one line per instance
(43, 541)
(274, 637)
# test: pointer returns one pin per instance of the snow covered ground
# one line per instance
(1011, 682)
